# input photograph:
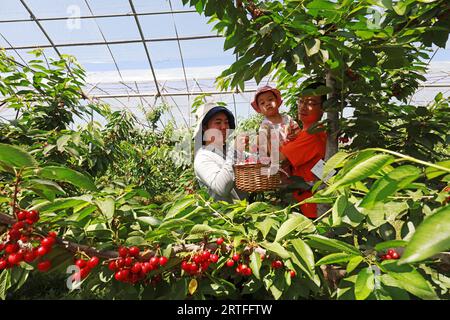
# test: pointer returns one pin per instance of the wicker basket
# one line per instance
(250, 178)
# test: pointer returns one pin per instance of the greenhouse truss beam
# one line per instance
(118, 15)
(97, 43)
(136, 18)
(162, 94)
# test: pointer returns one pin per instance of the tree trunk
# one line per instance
(333, 120)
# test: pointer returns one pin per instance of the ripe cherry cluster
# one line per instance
(20, 243)
(242, 268)
(130, 267)
(85, 266)
(390, 255)
(199, 262)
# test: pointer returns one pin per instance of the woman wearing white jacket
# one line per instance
(213, 161)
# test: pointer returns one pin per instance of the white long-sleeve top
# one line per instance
(216, 174)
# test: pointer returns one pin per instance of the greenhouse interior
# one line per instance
(111, 187)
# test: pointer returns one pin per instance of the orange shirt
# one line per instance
(304, 152)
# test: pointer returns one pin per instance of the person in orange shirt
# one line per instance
(307, 148)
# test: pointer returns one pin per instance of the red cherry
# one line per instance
(197, 259)
(15, 258)
(18, 225)
(120, 263)
(112, 266)
(2, 246)
(29, 256)
(52, 234)
(292, 273)
(219, 241)
(123, 252)
(84, 272)
(93, 262)
(41, 251)
(162, 261)
(3, 264)
(81, 263)
(22, 215)
(276, 264)
(147, 267)
(193, 268)
(236, 257)
(128, 261)
(154, 261)
(136, 268)
(48, 242)
(388, 257)
(12, 248)
(134, 251)
(23, 239)
(206, 254)
(184, 265)
(44, 266)
(395, 255)
(390, 252)
(119, 276)
(14, 234)
(29, 221)
(33, 215)
(230, 263)
(214, 258)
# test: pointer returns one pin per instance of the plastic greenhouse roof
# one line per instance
(141, 53)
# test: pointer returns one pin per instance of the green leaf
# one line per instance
(16, 157)
(68, 175)
(178, 207)
(255, 264)
(432, 236)
(96, 227)
(361, 171)
(354, 263)
(312, 46)
(5, 283)
(334, 162)
(289, 225)
(321, 242)
(257, 207)
(390, 244)
(107, 207)
(338, 209)
(62, 203)
(393, 181)
(334, 258)
(136, 241)
(276, 248)
(432, 172)
(409, 279)
(202, 229)
(150, 221)
(305, 255)
(364, 284)
(265, 226)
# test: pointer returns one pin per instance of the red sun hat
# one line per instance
(276, 92)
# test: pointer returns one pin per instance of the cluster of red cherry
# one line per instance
(390, 255)
(242, 268)
(19, 245)
(85, 266)
(199, 262)
(130, 268)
